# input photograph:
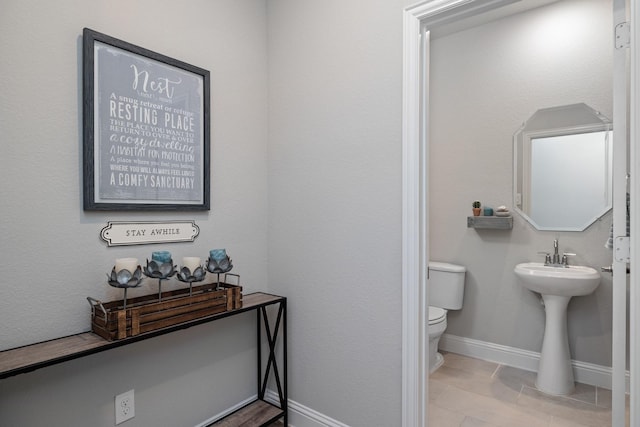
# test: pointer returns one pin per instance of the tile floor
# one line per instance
(468, 392)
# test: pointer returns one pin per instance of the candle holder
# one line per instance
(187, 276)
(161, 271)
(219, 266)
(125, 279)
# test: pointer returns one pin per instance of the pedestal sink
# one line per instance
(556, 285)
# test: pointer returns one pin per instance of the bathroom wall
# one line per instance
(51, 255)
(486, 81)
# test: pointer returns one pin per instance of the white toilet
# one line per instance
(446, 291)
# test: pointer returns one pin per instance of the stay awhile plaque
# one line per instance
(122, 233)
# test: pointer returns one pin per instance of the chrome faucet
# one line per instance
(556, 256)
(556, 261)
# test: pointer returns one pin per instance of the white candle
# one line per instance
(191, 262)
(130, 264)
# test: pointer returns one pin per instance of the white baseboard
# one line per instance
(227, 411)
(586, 373)
(302, 416)
(299, 415)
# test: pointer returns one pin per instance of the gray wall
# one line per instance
(306, 195)
(316, 213)
(335, 75)
(51, 254)
(486, 81)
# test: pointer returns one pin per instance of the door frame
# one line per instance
(634, 169)
(415, 251)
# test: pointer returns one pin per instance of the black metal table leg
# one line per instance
(271, 332)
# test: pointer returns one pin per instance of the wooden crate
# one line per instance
(147, 313)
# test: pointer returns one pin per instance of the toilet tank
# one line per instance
(446, 285)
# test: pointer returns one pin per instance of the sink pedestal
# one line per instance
(557, 285)
(555, 374)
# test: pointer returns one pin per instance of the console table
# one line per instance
(257, 413)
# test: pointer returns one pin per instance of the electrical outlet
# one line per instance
(125, 407)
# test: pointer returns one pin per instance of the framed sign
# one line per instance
(146, 129)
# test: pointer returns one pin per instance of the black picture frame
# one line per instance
(146, 136)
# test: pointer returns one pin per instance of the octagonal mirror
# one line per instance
(563, 168)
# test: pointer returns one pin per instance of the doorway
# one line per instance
(417, 116)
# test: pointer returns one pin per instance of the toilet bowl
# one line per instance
(446, 291)
(437, 326)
